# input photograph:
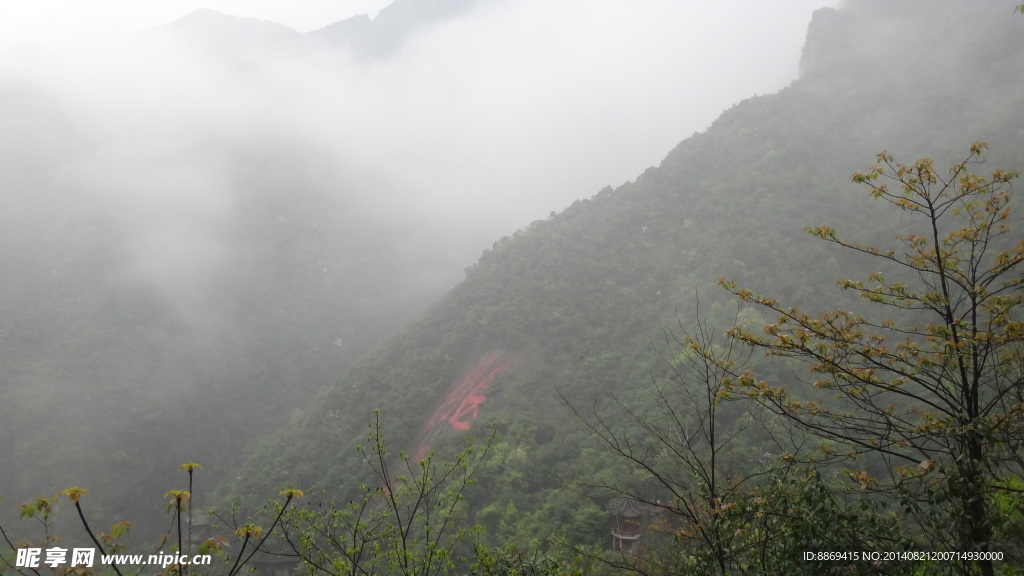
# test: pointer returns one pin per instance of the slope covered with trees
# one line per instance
(578, 303)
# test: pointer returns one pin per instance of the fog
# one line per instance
(473, 127)
(61, 21)
(226, 203)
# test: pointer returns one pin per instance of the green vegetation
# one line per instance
(930, 394)
(578, 297)
(410, 522)
(914, 450)
(902, 432)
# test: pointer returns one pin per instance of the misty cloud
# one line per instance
(209, 206)
(472, 128)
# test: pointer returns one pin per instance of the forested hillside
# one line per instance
(572, 310)
(203, 223)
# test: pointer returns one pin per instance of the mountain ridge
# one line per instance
(367, 37)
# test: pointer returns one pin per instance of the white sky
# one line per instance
(34, 21)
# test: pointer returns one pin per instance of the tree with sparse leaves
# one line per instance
(929, 403)
(685, 450)
(110, 544)
(409, 523)
(725, 504)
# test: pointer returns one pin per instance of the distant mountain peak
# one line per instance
(205, 22)
(206, 16)
(215, 27)
(379, 36)
(382, 35)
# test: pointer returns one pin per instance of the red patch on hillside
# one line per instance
(463, 403)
